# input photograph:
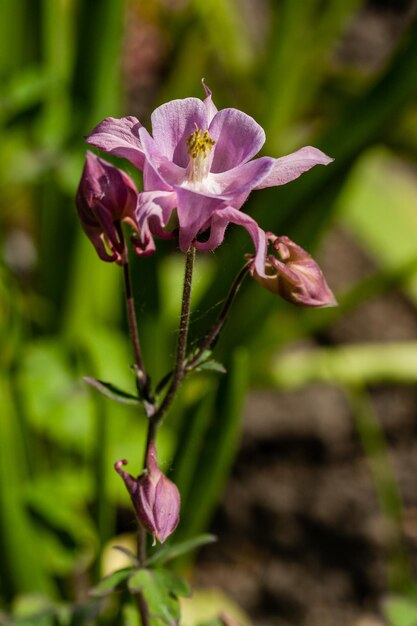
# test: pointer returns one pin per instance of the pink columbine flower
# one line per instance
(105, 196)
(294, 275)
(200, 162)
(156, 499)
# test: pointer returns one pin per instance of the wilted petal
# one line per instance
(238, 138)
(173, 123)
(105, 196)
(218, 224)
(294, 275)
(290, 167)
(119, 137)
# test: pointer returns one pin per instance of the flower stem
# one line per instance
(142, 377)
(179, 367)
(142, 609)
(221, 320)
(143, 386)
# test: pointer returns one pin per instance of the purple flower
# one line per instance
(294, 275)
(200, 162)
(156, 499)
(106, 196)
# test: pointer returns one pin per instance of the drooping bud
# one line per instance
(106, 196)
(294, 275)
(155, 498)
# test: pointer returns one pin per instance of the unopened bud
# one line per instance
(156, 499)
(294, 275)
(106, 196)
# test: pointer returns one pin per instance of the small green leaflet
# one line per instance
(111, 391)
(109, 584)
(167, 553)
(161, 590)
(211, 365)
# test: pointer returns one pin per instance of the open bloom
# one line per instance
(199, 162)
(156, 499)
(294, 275)
(106, 196)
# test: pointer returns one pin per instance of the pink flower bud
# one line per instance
(156, 499)
(294, 275)
(106, 196)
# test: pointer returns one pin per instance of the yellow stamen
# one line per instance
(200, 143)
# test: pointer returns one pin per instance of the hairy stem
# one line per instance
(180, 362)
(221, 320)
(142, 377)
(142, 609)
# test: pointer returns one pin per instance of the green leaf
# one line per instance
(111, 391)
(161, 590)
(211, 365)
(401, 611)
(168, 553)
(109, 584)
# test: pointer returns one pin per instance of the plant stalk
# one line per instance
(221, 320)
(142, 377)
(180, 361)
(143, 387)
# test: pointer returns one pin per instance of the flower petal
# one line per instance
(173, 123)
(290, 167)
(243, 178)
(219, 222)
(167, 173)
(208, 103)
(155, 207)
(194, 212)
(153, 212)
(119, 137)
(238, 138)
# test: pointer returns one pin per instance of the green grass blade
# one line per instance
(376, 450)
(220, 446)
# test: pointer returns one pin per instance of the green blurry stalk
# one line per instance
(53, 129)
(105, 65)
(224, 32)
(302, 35)
(376, 450)
(21, 559)
(58, 29)
(13, 32)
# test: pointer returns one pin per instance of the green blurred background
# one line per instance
(341, 76)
